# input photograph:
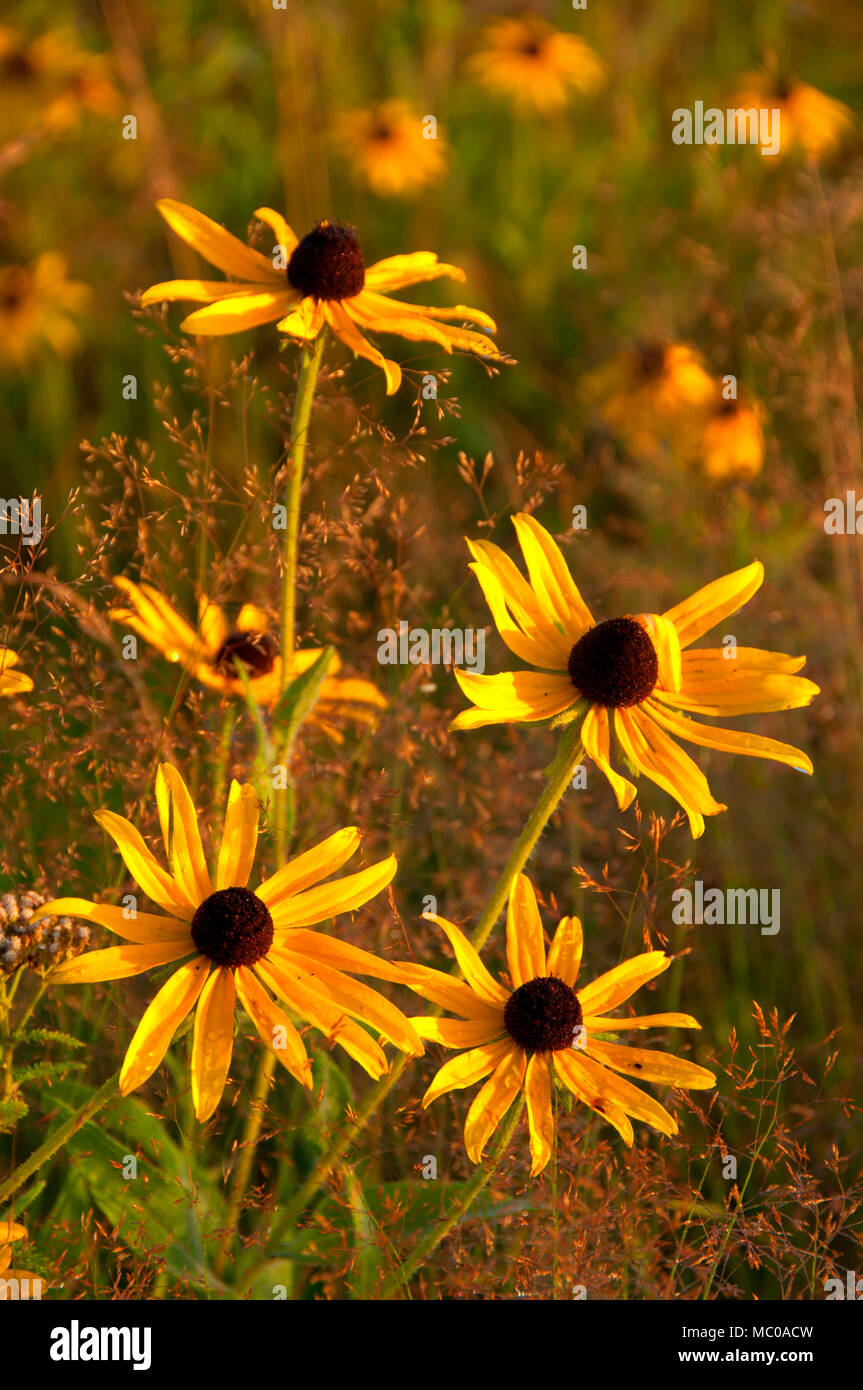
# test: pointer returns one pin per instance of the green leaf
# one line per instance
(300, 697)
(31, 1035)
(11, 1111)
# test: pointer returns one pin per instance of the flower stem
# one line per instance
(248, 1148)
(480, 1180)
(61, 1136)
(570, 754)
(310, 361)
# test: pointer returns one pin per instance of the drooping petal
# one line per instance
(451, 994)
(197, 291)
(239, 837)
(213, 1041)
(179, 821)
(525, 946)
(344, 328)
(584, 1087)
(475, 973)
(747, 684)
(285, 235)
(730, 740)
(717, 600)
(397, 272)
(649, 1065)
(359, 1001)
(329, 899)
(596, 737)
(216, 244)
(316, 946)
(666, 644)
(119, 962)
(655, 755)
(309, 868)
(160, 1022)
(274, 1026)
(305, 320)
(564, 957)
(634, 1101)
(142, 927)
(317, 1008)
(467, 1068)
(540, 1119)
(616, 985)
(596, 1023)
(145, 869)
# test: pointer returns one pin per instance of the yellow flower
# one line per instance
(325, 281)
(233, 942)
(514, 1034)
(35, 1285)
(36, 308)
(650, 391)
(12, 682)
(732, 442)
(211, 652)
(388, 149)
(808, 119)
(535, 65)
(630, 675)
(48, 81)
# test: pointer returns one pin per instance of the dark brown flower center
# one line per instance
(614, 664)
(328, 263)
(16, 66)
(651, 360)
(233, 927)
(543, 1015)
(256, 651)
(531, 48)
(383, 132)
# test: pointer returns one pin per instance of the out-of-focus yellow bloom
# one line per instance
(732, 441)
(389, 149)
(315, 280)
(211, 653)
(533, 64)
(808, 119)
(37, 305)
(650, 392)
(48, 81)
(12, 682)
(27, 1285)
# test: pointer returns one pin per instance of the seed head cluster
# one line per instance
(40, 945)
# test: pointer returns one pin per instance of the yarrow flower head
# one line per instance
(539, 1025)
(324, 280)
(214, 652)
(632, 676)
(234, 943)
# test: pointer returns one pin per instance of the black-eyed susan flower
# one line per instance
(534, 65)
(212, 652)
(391, 149)
(651, 391)
(232, 942)
(631, 677)
(16, 1283)
(38, 308)
(49, 80)
(12, 682)
(324, 280)
(731, 444)
(809, 120)
(538, 1025)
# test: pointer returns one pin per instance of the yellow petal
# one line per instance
(344, 328)
(397, 272)
(10, 1230)
(179, 821)
(213, 1041)
(521, 696)
(525, 947)
(650, 1065)
(596, 737)
(293, 986)
(119, 962)
(240, 312)
(585, 1088)
(274, 1026)
(451, 994)
(145, 869)
(161, 1021)
(480, 981)
(329, 899)
(544, 649)
(717, 600)
(654, 754)
(315, 945)
(564, 957)
(286, 237)
(730, 740)
(198, 291)
(550, 577)
(618, 984)
(635, 1102)
(452, 1032)
(143, 927)
(493, 1101)
(595, 1023)
(467, 1068)
(358, 1000)
(526, 606)
(309, 868)
(537, 1090)
(239, 837)
(215, 244)
(666, 643)
(305, 321)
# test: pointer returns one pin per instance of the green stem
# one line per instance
(248, 1148)
(480, 1180)
(60, 1137)
(310, 361)
(570, 754)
